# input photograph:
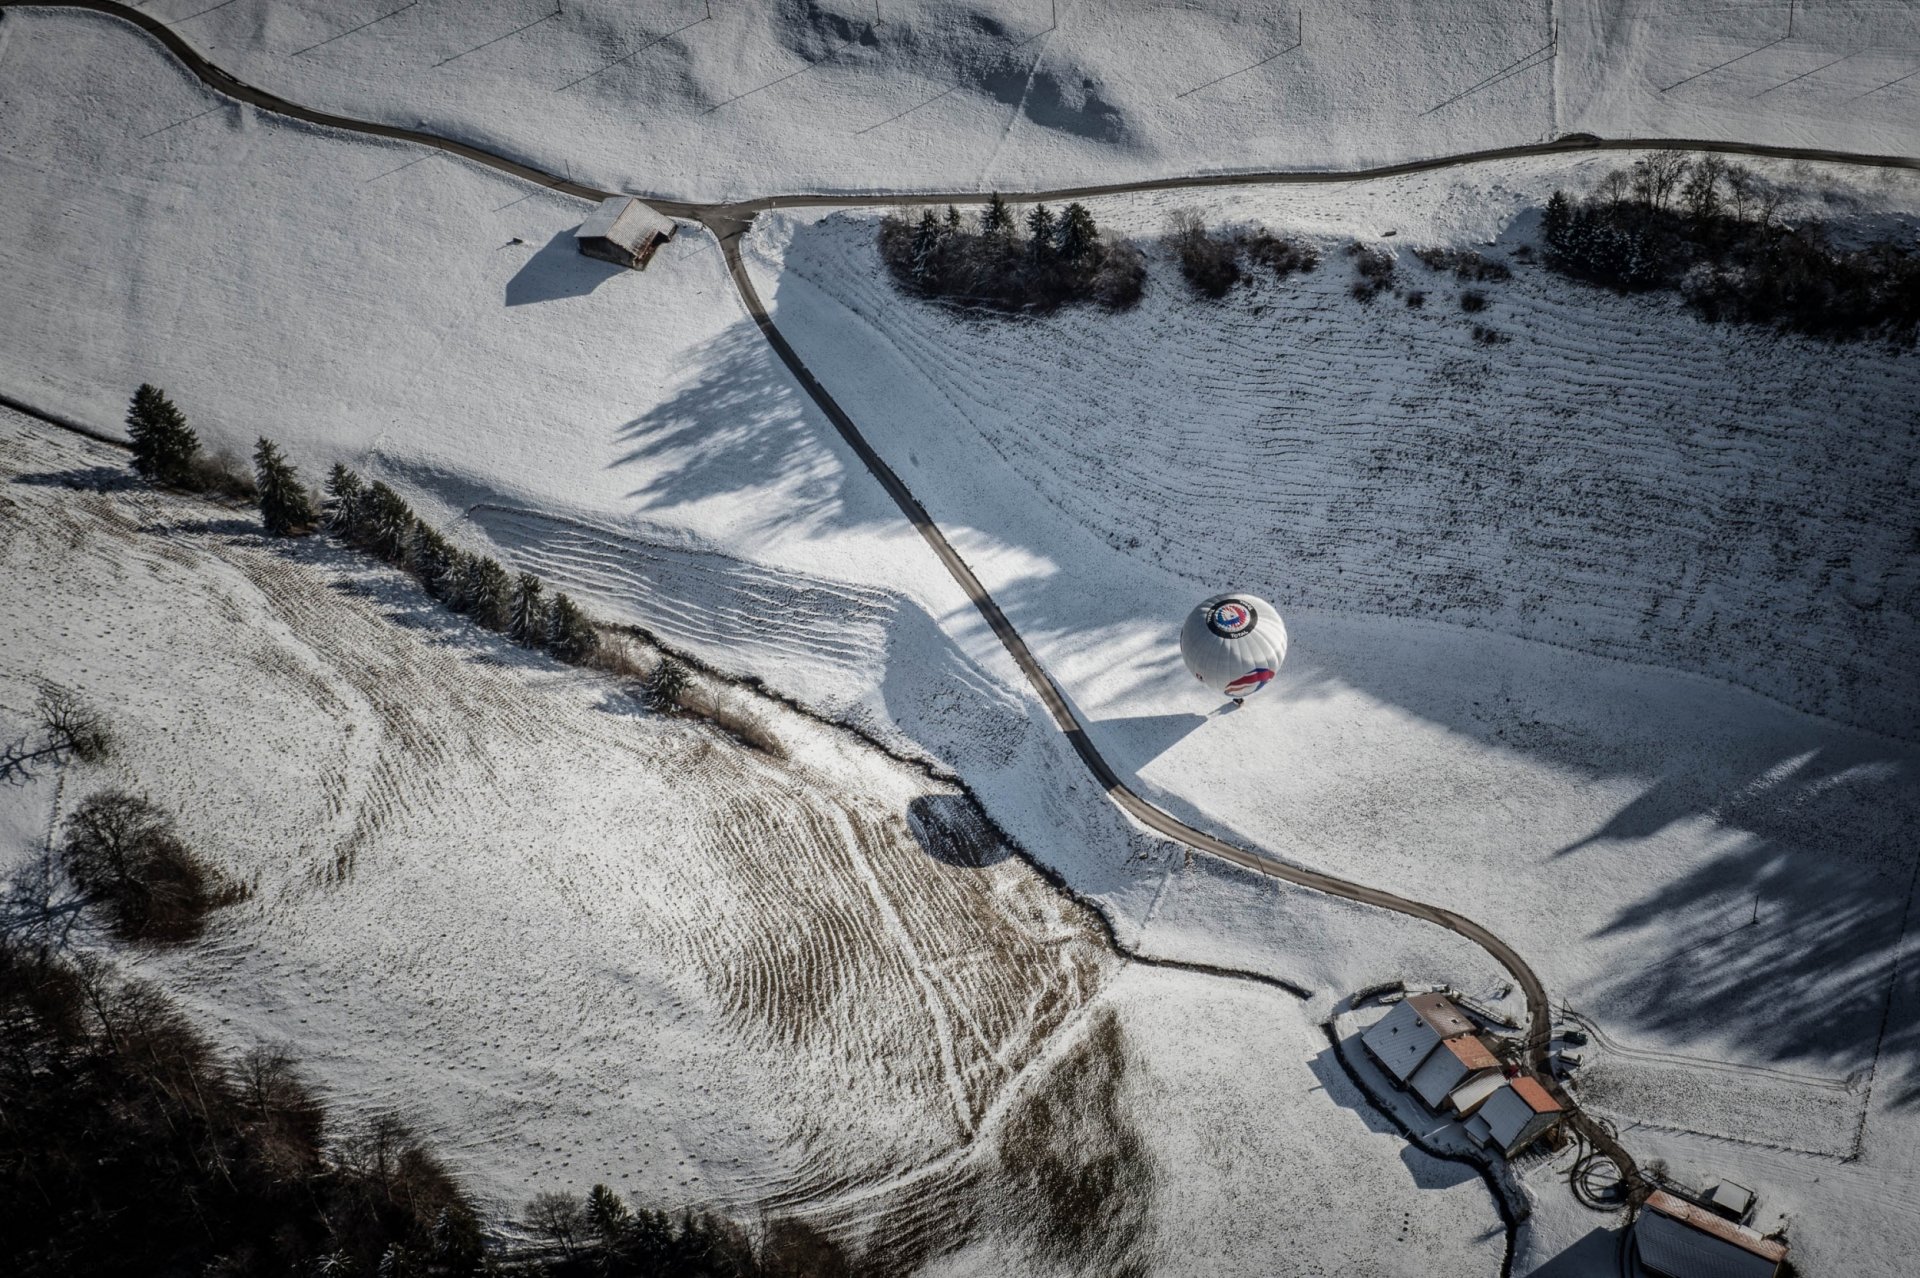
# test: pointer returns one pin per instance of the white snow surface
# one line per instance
(578, 942)
(629, 436)
(1525, 675)
(712, 101)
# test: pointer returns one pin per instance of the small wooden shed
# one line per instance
(623, 231)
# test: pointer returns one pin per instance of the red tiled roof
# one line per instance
(1708, 1223)
(1471, 1052)
(1530, 1091)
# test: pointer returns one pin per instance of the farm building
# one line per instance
(1675, 1239)
(1407, 1035)
(623, 231)
(1514, 1116)
(1456, 1062)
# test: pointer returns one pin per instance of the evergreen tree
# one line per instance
(434, 561)
(570, 634)
(286, 507)
(1556, 221)
(345, 493)
(667, 683)
(527, 618)
(490, 593)
(607, 1215)
(1078, 234)
(926, 238)
(1040, 233)
(386, 523)
(164, 446)
(998, 219)
(953, 220)
(457, 582)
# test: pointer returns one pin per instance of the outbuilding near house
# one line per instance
(1672, 1238)
(1515, 1116)
(623, 231)
(1448, 1067)
(1406, 1036)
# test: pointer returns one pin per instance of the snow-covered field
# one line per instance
(584, 942)
(730, 98)
(1526, 673)
(1617, 699)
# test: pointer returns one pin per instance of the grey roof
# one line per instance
(1668, 1247)
(1400, 1040)
(625, 221)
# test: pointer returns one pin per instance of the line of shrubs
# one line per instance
(375, 519)
(1210, 260)
(1008, 262)
(1712, 231)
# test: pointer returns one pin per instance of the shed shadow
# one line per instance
(556, 271)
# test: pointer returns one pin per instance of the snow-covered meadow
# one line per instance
(1561, 685)
(1565, 690)
(723, 99)
(579, 942)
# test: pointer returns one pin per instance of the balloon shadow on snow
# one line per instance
(558, 270)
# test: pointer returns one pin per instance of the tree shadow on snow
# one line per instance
(558, 270)
(952, 831)
(1787, 941)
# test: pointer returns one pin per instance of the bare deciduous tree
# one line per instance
(123, 850)
(71, 724)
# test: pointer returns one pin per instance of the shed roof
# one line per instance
(1473, 1093)
(1472, 1053)
(1676, 1238)
(1529, 1090)
(1441, 1016)
(625, 221)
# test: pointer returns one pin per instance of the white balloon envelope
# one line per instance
(1234, 644)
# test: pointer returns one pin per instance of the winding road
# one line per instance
(729, 222)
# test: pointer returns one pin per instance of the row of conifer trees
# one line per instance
(374, 518)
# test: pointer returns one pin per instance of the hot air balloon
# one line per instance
(1234, 644)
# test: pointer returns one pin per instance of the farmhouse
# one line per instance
(1515, 1116)
(1407, 1035)
(1675, 1239)
(1449, 1067)
(623, 231)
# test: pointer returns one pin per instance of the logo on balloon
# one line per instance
(1230, 619)
(1250, 682)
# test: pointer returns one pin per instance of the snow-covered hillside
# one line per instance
(716, 99)
(1711, 875)
(1561, 735)
(582, 942)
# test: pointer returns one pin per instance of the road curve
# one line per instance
(241, 91)
(729, 226)
(729, 222)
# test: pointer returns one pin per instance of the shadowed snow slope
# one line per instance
(746, 97)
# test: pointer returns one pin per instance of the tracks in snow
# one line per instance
(730, 222)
